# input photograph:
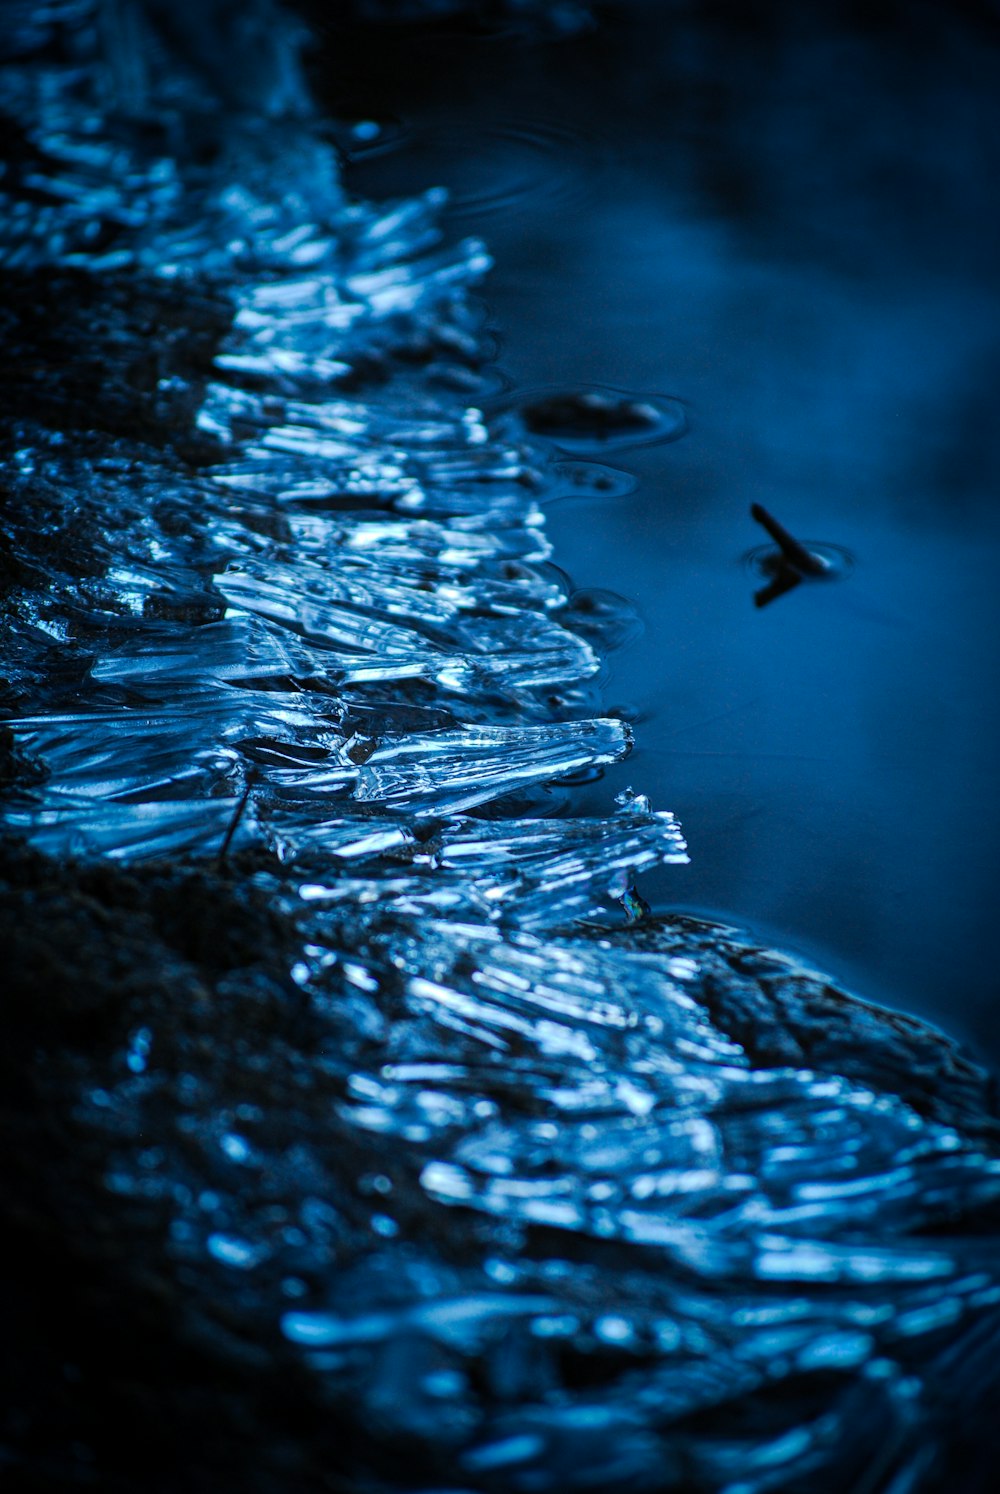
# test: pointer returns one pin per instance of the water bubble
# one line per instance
(583, 480)
(360, 139)
(588, 419)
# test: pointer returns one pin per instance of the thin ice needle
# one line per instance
(234, 822)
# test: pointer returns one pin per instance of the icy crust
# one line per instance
(537, 1206)
(325, 542)
(531, 1218)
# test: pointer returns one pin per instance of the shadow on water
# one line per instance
(788, 220)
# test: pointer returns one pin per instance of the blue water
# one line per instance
(790, 224)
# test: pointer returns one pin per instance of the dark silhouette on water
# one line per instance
(795, 553)
(791, 564)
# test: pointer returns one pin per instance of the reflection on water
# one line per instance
(788, 562)
(792, 225)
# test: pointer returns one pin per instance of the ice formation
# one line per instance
(538, 1202)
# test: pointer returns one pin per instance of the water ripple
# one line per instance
(508, 166)
(590, 418)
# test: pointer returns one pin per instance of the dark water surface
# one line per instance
(790, 225)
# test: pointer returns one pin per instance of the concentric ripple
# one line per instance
(589, 419)
(494, 170)
(765, 561)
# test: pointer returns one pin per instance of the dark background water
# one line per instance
(789, 221)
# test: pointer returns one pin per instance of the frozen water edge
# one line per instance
(261, 575)
(555, 1194)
